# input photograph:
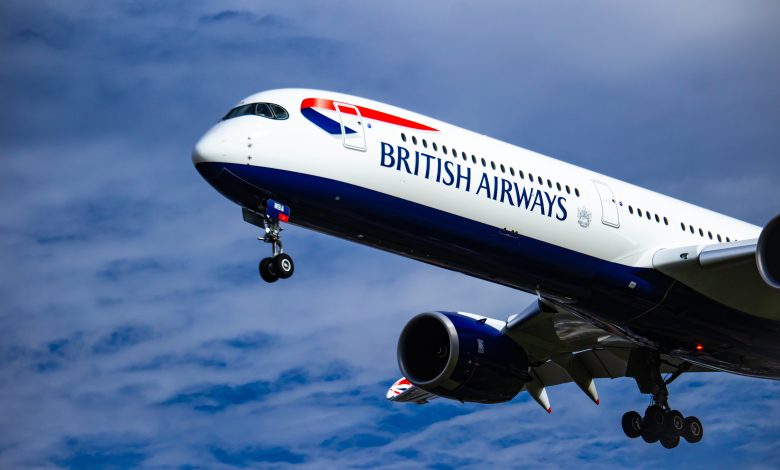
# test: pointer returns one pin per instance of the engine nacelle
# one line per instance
(460, 357)
(768, 253)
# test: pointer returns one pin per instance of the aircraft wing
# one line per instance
(729, 273)
(403, 391)
(563, 348)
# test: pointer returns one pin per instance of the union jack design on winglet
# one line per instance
(332, 126)
(400, 386)
(403, 391)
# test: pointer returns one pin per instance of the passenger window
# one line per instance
(709, 234)
(549, 184)
(444, 149)
(473, 159)
(425, 144)
(414, 140)
(639, 211)
(435, 148)
(577, 192)
(691, 228)
(403, 136)
(539, 179)
(511, 171)
(279, 112)
(522, 175)
(666, 221)
(483, 162)
(701, 232)
(493, 165)
(503, 170)
(558, 185)
(719, 238)
(630, 210)
(728, 239)
(568, 191)
(682, 226)
(658, 220)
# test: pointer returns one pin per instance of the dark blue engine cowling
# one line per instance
(459, 357)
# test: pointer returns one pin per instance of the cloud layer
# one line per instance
(134, 330)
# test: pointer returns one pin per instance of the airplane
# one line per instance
(628, 282)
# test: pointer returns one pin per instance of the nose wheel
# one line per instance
(280, 265)
(277, 267)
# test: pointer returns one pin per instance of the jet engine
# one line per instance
(462, 357)
(768, 253)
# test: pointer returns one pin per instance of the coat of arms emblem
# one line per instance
(583, 217)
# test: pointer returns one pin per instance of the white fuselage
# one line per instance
(297, 145)
(399, 181)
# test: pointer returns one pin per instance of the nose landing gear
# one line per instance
(280, 265)
(660, 422)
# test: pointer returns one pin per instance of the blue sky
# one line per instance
(134, 329)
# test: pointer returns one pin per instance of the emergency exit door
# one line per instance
(352, 133)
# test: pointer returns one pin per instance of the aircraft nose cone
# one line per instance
(207, 150)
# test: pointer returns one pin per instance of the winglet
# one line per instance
(404, 391)
(397, 389)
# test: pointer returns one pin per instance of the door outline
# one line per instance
(361, 133)
(610, 215)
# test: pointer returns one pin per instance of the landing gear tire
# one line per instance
(670, 441)
(654, 418)
(675, 423)
(632, 424)
(693, 431)
(268, 271)
(650, 436)
(283, 265)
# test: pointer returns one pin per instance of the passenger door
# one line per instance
(352, 132)
(609, 207)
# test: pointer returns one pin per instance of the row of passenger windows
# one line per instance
(658, 219)
(645, 214)
(701, 233)
(500, 167)
(266, 110)
(648, 215)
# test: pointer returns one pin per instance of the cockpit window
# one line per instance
(242, 110)
(266, 110)
(279, 112)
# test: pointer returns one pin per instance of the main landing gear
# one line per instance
(660, 422)
(280, 265)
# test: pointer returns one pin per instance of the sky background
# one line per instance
(134, 330)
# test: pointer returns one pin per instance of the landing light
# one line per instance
(699, 347)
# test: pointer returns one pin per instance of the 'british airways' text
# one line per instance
(452, 173)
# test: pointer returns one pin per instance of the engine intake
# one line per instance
(768, 253)
(460, 357)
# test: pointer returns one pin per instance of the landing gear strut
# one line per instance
(660, 422)
(280, 265)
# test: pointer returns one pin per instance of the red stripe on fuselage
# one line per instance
(365, 112)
